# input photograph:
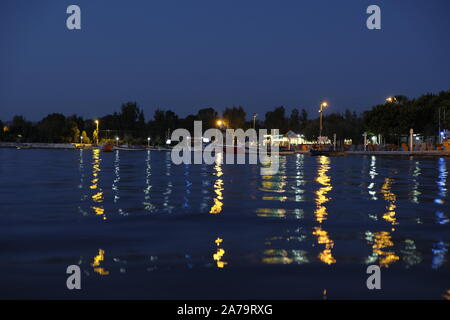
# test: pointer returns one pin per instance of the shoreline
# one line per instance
(39, 145)
(76, 146)
(436, 153)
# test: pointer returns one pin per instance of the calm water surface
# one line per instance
(141, 227)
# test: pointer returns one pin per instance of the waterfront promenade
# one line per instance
(35, 145)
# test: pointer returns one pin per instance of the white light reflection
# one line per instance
(441, 218)
(148, 186)
(372, 173)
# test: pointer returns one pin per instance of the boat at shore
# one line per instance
(106, 147)
(24, 146)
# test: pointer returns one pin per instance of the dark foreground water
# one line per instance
(141, 227)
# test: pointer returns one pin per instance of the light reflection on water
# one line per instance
(148, 206)
(97, 261)
(321, 211)
(97, 196)
(273, 189)
(218, 186)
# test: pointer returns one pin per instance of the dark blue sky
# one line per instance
(189, 54)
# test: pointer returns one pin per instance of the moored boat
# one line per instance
(107, 147)
(24, 146)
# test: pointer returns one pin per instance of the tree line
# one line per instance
(391, 119)
(426, 115)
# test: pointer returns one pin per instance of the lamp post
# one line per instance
(322, 106)
(117, 141)
(148, 142)
(97, 122)
(254, 120)
(411, 135)
(81, 140)
(441, 132)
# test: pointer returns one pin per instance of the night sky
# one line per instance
(190, 54)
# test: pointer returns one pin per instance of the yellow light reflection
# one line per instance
(282, 256)
(96, 263)
(389, 196)
(218, 241)
(383, 240)
(322, 238)
(98, 210)
(275, 183)
(321, 213)
(97, 197)
(272, 184)
(271, 212)
(218, 186)
(219, 254)
(277, 257)
(321, 194)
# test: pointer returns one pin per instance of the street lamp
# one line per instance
(117, 141)
(81, 140)
(391, 99)
(254, 120)
(221, 124)
(97, 122)
(148, 142)
(323, 105)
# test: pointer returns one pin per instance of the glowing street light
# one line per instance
(391, 99)
(148, 142)
(81, 140)
(323, 105)
(117, 141)
(219, 123)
